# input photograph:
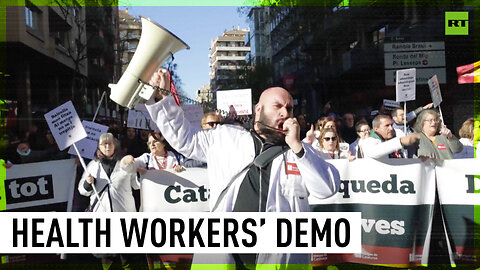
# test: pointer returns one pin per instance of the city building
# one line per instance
(103, 61)
(258, 38)
(204, 94)
(46, 61)
(227, 60)
(344, 55)
(130, 30)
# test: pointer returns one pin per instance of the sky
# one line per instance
(196, 26)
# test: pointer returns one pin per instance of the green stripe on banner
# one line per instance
(3, 176)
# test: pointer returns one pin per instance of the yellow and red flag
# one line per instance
(469, 73)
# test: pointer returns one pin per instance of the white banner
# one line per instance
(237, 102)
(383, 182)
(42, 186)
(65, 125)
(396, 198)
(88, 146)
(459, 195)
(165, 191)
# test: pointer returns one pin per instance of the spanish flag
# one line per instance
(469, 73)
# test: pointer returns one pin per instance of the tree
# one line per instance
(74, 44)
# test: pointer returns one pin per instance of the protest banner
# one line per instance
(65, 125)
(194, 114)
(88, 146)
(140, 118)
(41, 186)
(459, 195)
(396, 198)
(237, 102)
(165, 191)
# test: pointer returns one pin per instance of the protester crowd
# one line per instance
(125, 154)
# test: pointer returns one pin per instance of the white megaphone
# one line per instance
(155, 46)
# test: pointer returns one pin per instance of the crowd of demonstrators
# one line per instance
(238, 184)
(398, 116)
(110, 190)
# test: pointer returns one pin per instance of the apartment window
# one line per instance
(379, 36)
(32, 17)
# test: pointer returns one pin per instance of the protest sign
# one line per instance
(65, 125)
(88, 146)
(194, 114)
(434, 87)
(459, 196)
(165, 191)
(237, 102)
(140, 118)
(42, 186)
(396, 198)
(405, 84)
(390, 104)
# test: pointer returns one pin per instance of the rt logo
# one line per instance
(456, 23)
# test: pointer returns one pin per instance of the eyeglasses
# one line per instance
(364, 130)
(213, 124)
(431, 121)
(327, 139)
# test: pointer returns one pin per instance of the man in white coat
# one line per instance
(289, 173)
(385, 141)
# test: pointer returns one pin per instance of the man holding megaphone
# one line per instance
(250, 164)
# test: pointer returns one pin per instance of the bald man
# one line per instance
(237, 184)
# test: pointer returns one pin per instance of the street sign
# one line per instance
(427, 57)
(414, 46)
(423, 75)
(421, 59)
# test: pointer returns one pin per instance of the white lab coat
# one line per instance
(375, 148)
(119, 192)
(228, 150)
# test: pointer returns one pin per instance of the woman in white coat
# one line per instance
(114, 185)
(159, 157)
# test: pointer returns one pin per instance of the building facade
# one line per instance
(227, 59)
(45, 60)
(343, 55)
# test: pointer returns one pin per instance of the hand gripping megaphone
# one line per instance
(155, 46)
